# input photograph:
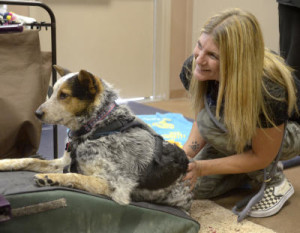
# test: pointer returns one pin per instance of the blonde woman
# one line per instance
(245, 100)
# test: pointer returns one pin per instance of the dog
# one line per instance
(109, 151)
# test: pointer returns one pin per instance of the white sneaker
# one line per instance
(274, 198)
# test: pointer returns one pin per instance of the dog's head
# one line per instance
(75, 96)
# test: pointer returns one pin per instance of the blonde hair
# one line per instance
(244, 62)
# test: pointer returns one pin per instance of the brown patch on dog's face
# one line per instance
(74, 95)
(80, 93)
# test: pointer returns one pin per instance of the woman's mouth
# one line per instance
(202, 70)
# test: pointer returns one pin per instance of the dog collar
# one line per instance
(91, 123)
(68, 147)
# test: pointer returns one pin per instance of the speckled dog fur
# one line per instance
(111, 165)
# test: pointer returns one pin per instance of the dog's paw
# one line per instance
(45, 180)
(121, 201)
(120, 198)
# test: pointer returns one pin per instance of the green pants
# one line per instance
(217, 147)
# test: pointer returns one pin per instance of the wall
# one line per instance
(181, 42)
(162, 38)
(264, 10)
(20, 10)
(140, 45)
(125, 41)
(111, 38)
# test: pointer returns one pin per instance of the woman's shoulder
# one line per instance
(272, 88)
(277, 90)
(275, 99)
(186, 72)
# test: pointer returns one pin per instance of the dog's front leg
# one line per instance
(36, 165)
(90, 184)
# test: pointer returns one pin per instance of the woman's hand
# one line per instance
(193, 173)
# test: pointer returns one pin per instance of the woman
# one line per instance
(250, 98)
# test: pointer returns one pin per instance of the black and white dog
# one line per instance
(109, 151)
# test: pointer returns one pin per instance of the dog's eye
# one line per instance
(63, 96)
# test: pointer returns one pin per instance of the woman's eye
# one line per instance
(214, 56)
(63, 96)
(199, 45)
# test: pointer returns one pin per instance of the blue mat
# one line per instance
(171, 126)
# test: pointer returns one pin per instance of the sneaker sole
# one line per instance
(275, 209)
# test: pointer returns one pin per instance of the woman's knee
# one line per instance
(216, 185)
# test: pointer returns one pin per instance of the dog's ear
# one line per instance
(62, 71)
(90, 82)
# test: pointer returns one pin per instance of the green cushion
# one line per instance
(88, 213)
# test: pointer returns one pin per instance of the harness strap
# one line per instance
(212, 117)
(91, 123)
(249, 202)
(117, 126)
(114, 127)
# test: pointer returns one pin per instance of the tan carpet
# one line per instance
(216, 219)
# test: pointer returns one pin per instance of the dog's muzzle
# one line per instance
(39, 114)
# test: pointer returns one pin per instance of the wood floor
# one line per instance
(182, 106)
(287, 220)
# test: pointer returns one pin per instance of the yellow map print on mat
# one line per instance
(163, 124)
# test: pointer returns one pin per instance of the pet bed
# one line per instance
(81, 211)
(56, 209)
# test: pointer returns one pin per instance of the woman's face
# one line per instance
(207, 59)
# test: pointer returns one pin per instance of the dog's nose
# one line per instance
(39, 114)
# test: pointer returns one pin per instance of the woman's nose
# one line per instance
(200, 58)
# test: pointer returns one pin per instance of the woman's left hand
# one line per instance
(193, 173)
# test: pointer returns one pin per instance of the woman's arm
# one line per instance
(265, 146)
(194, 143)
